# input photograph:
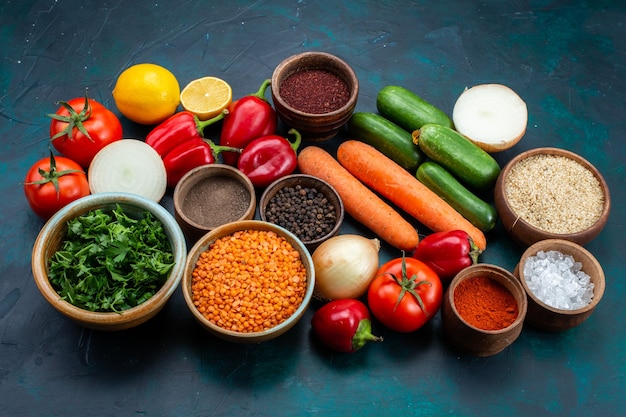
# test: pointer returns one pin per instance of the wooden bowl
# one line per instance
(226, 230)
(307, 181)
(544, 317)
(53, 232)
(210, 196)
(315, 126)
(525, 233)
(473, 340)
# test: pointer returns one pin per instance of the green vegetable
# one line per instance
(408, 110)
(466, 161)
(389, 138)
(480, 213)
(110, 261)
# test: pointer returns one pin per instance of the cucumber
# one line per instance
(389, 138)
(465, 160)
(408, 110)
(478, 212)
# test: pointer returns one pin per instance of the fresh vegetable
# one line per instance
(387, 137)
(129, 166)
(81, 127)
(408, 110)
(404, 190)
(177, 129)
(447, 253)
(248, 118)
(480, 213)
(492, 116)
(189, 155)
(344, 266)
(52, 183)
(459, 156)
(358, 200)
(109, 261)
(269, 158)
(405, 294)
(343, 325)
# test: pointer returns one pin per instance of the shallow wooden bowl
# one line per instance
(53, 232)
(544, 317)
(311, 182)
(470, 339)
(525, 233)
(226, 230)
(315, 127)
(191, 226)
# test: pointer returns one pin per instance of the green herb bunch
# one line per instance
(110, 261)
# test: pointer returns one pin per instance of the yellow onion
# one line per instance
(344, 266)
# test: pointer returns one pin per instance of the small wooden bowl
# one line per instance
(226, 230)
(312, 126)
(310, 182)
(470, 339)
(192, 194)
(544, 317)
(53, 232)
(524, 233)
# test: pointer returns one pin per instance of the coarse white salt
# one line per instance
(558, 280)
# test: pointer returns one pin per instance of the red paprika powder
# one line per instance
(485, 303)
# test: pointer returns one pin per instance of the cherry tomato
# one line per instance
(81, 127)
(52, 183)
(405, 294)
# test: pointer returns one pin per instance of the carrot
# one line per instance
(403, 189)
(359, 201)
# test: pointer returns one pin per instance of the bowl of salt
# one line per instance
(563, 281)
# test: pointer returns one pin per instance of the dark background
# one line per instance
(565, 59)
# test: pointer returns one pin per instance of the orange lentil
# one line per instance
(249, 281)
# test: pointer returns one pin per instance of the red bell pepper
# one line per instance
(248, 118)
(447, 253)
(190, 154)
(177, 129)
(268, 158)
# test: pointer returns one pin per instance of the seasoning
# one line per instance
(215, 201)
(304, 211)
(554, 193)
(249, 281)
(314, 91)
(485, 303)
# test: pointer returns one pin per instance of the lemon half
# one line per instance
(206, 97)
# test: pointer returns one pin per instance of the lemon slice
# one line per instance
(206, 97)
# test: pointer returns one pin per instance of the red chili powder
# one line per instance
(314, 91)
(485, 303)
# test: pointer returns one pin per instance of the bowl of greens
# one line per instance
(109, 261)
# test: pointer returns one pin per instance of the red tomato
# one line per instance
(52, 183)
(79, 134)
(404, 299)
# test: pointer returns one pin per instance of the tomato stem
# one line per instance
(408, 285)
(73, 120)
(53, 175)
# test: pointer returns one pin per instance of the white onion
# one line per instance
(492, 116)
(344, 266)
(130, 166)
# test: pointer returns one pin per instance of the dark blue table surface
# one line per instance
(565, 58)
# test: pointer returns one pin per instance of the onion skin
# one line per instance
(344, 266)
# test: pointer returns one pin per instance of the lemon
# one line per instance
(206, 97)
(147, 93)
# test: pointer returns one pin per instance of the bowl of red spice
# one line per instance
(248, 281)
(307, 206)
(315, 93)
(563, 281)
(551, 193)
(483, 310)
(210, 196)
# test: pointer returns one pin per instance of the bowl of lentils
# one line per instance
(551, 193)
(307, 206)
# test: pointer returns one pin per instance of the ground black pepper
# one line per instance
(304, 211)
(314, 91)
(215, 201)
